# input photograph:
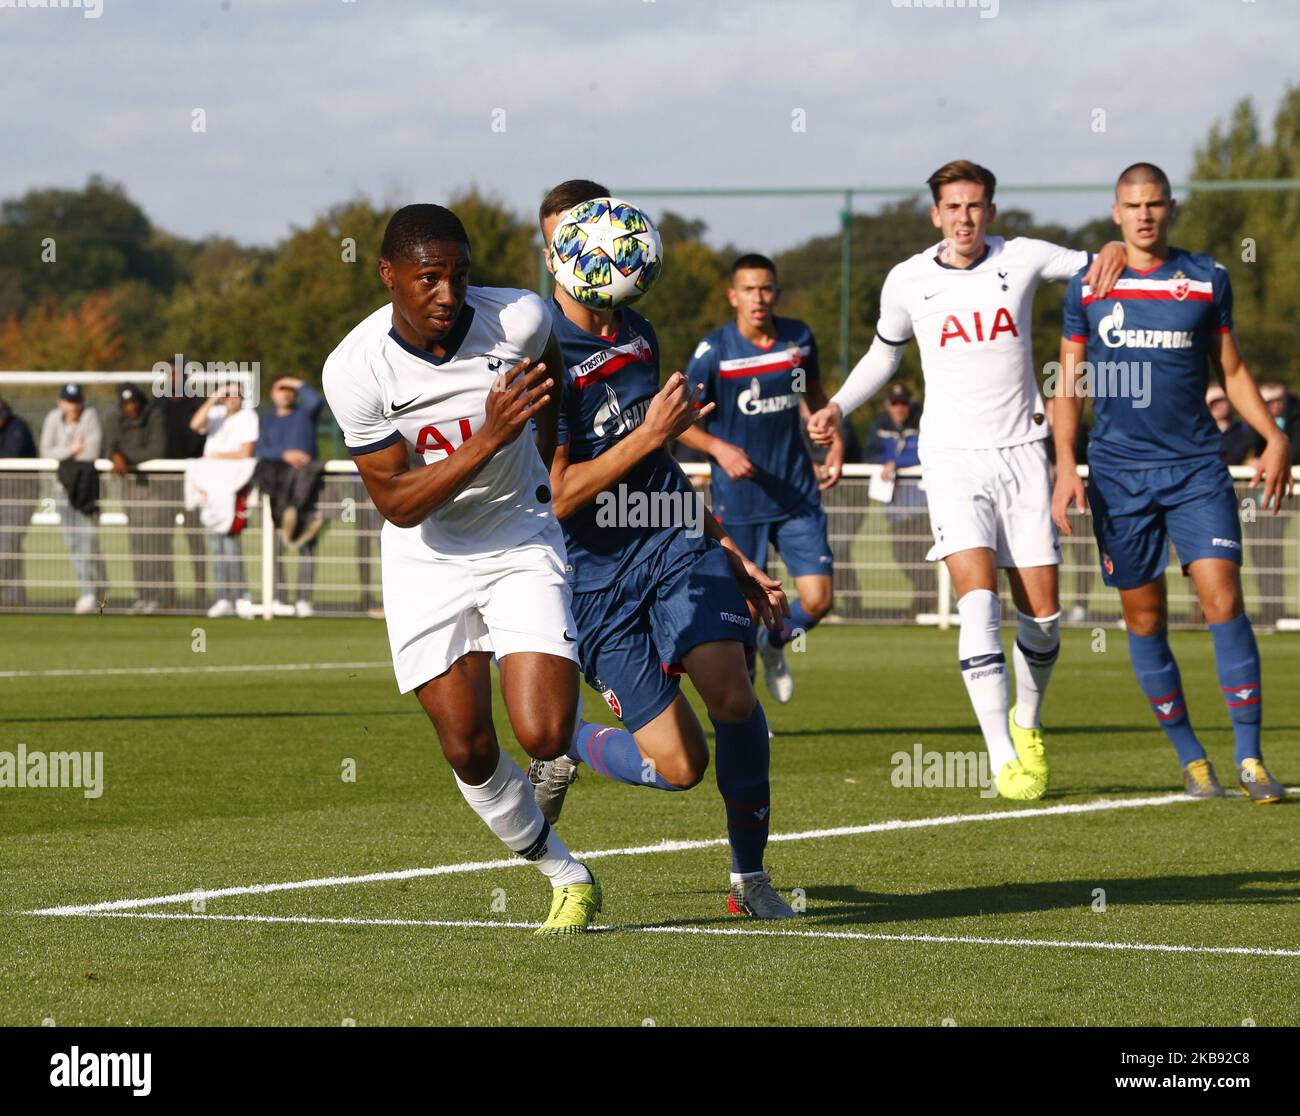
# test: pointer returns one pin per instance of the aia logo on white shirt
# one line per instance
(969, 328)
(445, 441)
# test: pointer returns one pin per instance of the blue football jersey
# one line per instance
(1148, 346)
(608, 386)
(757, 409)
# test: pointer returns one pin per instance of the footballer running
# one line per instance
(1155, 473)
(433, 393)
(653, 602)
(761, 371)
(968, 301)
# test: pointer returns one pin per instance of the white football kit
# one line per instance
(484, 572)
(983, 459)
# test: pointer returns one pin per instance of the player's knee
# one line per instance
(1221, 604)
(466, 750)
(545, 739)
(817, 605)
(736, 703)
(1144, 620)
(684, 771)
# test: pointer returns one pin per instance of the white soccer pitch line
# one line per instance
(712, 931)
(635, 850)
(243, 668)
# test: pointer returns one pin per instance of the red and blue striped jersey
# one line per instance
(1147, 348)
(608, 385)
(757, 392)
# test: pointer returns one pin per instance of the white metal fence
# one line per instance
(145, 553)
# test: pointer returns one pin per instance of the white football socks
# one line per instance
(506, 805)
(1038, 642)
(984, 670)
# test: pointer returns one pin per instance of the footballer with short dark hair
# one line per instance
(762, 372)
(435, 392)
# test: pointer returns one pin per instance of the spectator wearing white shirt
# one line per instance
(231, 431)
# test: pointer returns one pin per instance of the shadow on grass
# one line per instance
(854, 907)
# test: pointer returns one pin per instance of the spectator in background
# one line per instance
(184, 443)
(15, 507)
(1285, 409)
(1235, 437)
(72, 436)
(1265, 538)
(231, 434)
(288, 470)
(893, 442)
(1084, 572)
(137, 433)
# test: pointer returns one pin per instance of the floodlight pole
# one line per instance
(846, 280)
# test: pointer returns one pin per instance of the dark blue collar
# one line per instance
(949, 267)
(451, 344)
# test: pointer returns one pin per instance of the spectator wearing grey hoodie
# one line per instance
(71, 431)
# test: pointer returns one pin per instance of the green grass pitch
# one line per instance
(228, 779)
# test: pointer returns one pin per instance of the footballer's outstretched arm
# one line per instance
(869, 375)
(406, 496)
(1274, 464)
(1066, 417)
(733, 460)
(673, 409)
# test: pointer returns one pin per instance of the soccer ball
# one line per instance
(605, 253)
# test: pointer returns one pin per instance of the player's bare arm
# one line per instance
(734, 461)
(1065, 429)
(763, 592)
(1273, 465)
(674, 409)
(406, 496)
(830, 470)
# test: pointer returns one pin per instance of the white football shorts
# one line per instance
(995, 498)
(439, 608)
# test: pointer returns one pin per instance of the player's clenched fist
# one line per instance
(675, 408)
(515, 397)
(823, 425)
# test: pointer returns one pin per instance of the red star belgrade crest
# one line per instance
(1182, 287)
(611, 699)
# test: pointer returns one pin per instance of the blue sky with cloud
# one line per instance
(309, 102)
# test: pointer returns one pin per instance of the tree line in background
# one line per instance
(87, 282)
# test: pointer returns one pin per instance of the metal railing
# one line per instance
(144, 552)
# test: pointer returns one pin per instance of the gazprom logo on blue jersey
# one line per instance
(1106, 379)
(1113, 335)
(637, 508)
(611, 420)
(752, 402)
